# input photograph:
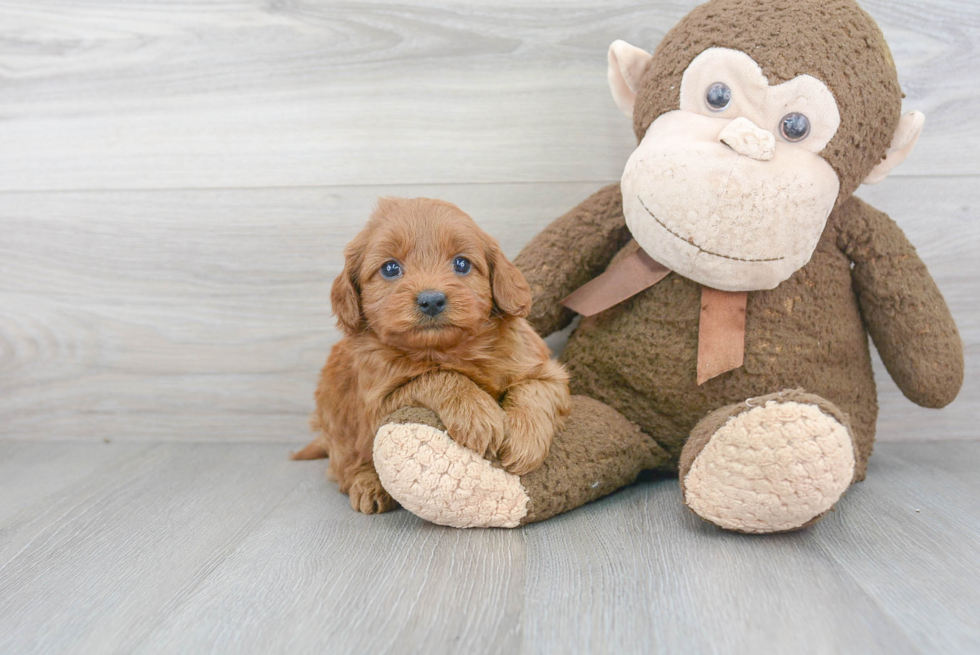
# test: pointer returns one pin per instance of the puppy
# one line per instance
(433, 316)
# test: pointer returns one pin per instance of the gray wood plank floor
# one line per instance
(207, 547)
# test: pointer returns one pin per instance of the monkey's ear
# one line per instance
(627, 64)
(906, 134)
(511, 292)
(345, 295)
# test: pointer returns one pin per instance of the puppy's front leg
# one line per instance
(471, 416)
(535, 409)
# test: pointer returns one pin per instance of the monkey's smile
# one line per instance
(690, 241)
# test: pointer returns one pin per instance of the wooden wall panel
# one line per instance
(177, 181)
(204, 314)
(110, 94)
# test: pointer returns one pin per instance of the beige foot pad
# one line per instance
(440, 481)
(771, 469)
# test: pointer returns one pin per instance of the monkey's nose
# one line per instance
(431, 302)
(746, 138)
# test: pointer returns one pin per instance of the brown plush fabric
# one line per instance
(637, 361)
(832, 40)
(640, 357)
(598, 452)
(571, 251)
(904, 311)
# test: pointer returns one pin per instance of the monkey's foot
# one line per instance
(771, 464)
(440, 481)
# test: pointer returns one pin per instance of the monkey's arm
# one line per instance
(902, 307)
(571, 251)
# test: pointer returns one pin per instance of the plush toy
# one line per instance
(728, 285)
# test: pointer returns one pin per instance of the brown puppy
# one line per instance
(433, 315)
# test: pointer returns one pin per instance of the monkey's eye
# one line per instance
(462, 265)
(391, 269)
(794, 127)
(718, 96)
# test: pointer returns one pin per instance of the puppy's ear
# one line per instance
(511, 293)
(345, 296)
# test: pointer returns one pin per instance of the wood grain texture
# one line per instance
(640, 573)
(205, 314)
(98, 564)
(109, 94)
(318, 577)
(184, 314)
(921, 498)
(30, 476)
(205, 548)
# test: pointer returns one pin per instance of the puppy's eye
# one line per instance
(462, 265)
(391, 269)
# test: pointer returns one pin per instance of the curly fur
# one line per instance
(478, 364)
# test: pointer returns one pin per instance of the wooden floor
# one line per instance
(230, 548)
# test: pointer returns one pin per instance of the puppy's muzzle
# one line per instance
(431, 302)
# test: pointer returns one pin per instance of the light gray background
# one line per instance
(177, 181)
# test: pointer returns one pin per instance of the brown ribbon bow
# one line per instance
(721, 327)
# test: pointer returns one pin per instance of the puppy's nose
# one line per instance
(431, 302)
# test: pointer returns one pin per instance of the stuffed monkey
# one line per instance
(728, 285)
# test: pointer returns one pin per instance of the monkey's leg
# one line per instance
(435, 478)
(769, 464)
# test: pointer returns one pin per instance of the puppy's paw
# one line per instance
(527, 440)
(367, 496)
(476, 423)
